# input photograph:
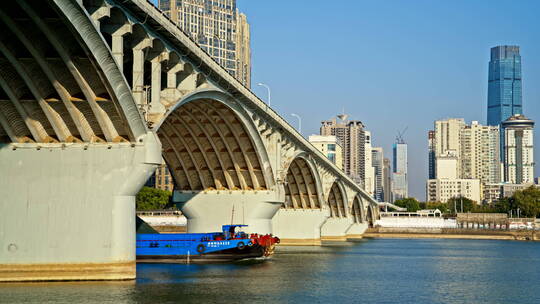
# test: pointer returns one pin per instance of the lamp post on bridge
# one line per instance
(268, 89)
(299, 122)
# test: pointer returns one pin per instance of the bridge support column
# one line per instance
(67, 211)
(335, 229)
(356, 231)
(299, 226)
(207, 211)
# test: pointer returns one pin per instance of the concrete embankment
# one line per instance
(448, 233)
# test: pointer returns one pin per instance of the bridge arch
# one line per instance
(302, 184)
(337, 200)
(357, 209)
(116, 84)
(210, 143)
(371, 216)
(60, 80)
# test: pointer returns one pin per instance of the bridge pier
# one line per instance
(336, 228)
(67, 211)
(207, 211)
(299, 226)
(356, 231)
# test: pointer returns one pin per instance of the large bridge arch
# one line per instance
(303, 188)
(60, 79)
(357, 209)
(337, 200)
(109, 70)
(210, 143)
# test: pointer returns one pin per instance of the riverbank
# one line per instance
(449, 233)
(407, 233)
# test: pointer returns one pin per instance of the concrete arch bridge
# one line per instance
(93, 93)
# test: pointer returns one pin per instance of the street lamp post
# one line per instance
(299, 122)
(268, 89)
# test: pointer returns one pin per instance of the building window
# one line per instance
(331, 147)
(332, 157)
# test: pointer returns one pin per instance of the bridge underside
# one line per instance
(207, 148)
(51, 91)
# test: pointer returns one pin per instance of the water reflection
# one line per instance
(374, 271)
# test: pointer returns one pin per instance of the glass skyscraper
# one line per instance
(400, 186)
(504, 86)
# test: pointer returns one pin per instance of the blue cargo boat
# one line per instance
(224, 246)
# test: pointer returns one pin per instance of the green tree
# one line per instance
(527, 200)
(443, 207)
(410, 203)
(152, 199)
(455, 203)
(485, 208)
(503, 205)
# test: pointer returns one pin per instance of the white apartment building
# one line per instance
(370, 170)
(441, 190)
(464, 152)
(480, 156)
(447, 139)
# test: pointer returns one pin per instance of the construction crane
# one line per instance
(399, 137)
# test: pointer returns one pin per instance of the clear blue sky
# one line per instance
(390, 64)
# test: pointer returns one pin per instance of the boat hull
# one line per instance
(223, 256)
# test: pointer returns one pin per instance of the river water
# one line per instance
(369, 271)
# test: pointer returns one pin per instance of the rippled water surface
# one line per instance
(371, 271)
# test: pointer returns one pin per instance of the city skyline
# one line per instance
(449, 61)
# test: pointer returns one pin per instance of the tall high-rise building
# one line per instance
(431, 154)
(352, 136)
(400, 186)
(377, 161)
(219, 28)
(387, 181)
(504, 84)
(518, 156)
(480, 157)
(447, 139)
(369, 181)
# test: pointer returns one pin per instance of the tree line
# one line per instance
(150, 198)
(527, 201)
